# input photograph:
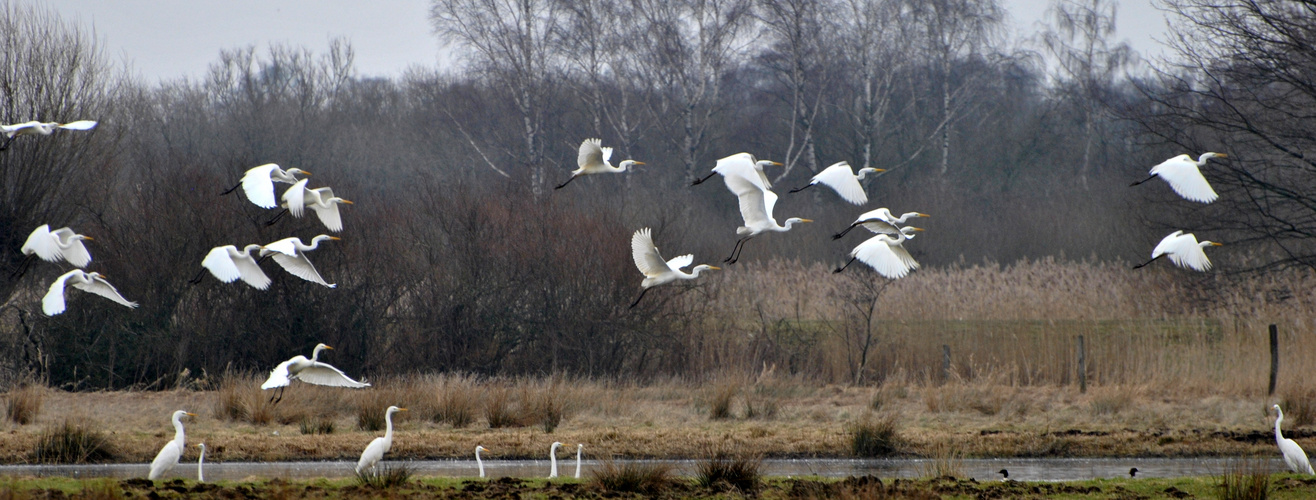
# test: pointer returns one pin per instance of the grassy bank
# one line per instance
(769, 416)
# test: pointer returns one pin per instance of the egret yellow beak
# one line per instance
(307, 173)
(775, 163)
(715, 268)
(335, 238)
(923, 215)
(328, 347)
(402, 409)
(639, 163)
(803, 220)
(349, 202)
(88, 238)
(917, 229)
(1221, 155)
(880, 169)
(1214, 244)
(190, 414)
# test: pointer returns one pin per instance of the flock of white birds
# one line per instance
(742, 173)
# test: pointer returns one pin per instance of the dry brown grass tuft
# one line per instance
(73, 441)
(632, 477)
(1299, 407)
(1245, 480)
(457, 402)
(545, 403)
(722, 468)
(23, 404)
(720, 399)
(874, 436)
(947, 460)
(499, 409)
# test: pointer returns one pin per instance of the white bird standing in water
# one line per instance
(1183, 250)
(552, 457)
(593, 159)
(842, 179)
(479, 461)
(258, 183)
(311, 371)
(579, 449)
(200, 462)
(886, 254)
(1294, 457)
(1185, 176)
(879, 221)
(53, 302)
(57, 245)
(170, 453)
(290, 253)
(373, 453)
(656, 270)
(40, 128)
(228, 264)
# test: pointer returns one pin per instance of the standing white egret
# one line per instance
(53, 302)
(552, 457)
(228, 264)
(40, 128)
(1294, 457)
(60, 244)
(1185, 176)
(258, 183)
(879, 221)
(311, 371)
(200, 462)
(886, 254)
(579, 449)
(593, 159)
(290, 253)
(370, 457)
(756, 201)
(478, 461)
(322, 200)
(735, 163)
(842, 179)
(656, 270)
(1183, 250)
(169, 454)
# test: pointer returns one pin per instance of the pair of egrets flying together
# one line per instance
(229, 264)
(40, 128)
(258, 184)
(66, 244)
(885, 252)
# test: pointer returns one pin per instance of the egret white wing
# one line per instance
(79, 125)
(591, 154)
(646, 255)
(841, 179)
(221, 264)
(1186, 252)
(753, 199)
(76, 253)
(328, 215)
(99, 286)
(876, 253)
(53, 302)
(1186, 179)
(165, 460)
(278, 376)
(259, 186)
(251, 271)
(679, 262)
(607, 154)
(905, 258)
(325, 374)
(301, 267)
(42, 243)
(284, 246)
(295, 197)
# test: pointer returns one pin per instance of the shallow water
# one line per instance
(1024, 469)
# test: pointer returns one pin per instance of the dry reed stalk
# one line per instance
(22, 405)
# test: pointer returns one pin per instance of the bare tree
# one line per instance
(873, 43)
(797, 35)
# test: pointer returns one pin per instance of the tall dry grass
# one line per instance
(23, 404)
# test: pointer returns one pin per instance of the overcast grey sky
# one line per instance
(165, 39)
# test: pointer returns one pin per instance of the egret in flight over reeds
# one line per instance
(311, 371)
(842, 179)
(53, 302)
(373, 453)
(291, 254)
(886, 254)
(734, 162)
(749, 184)
(1183, 250)
(1185, 176)
(594, 159)
(656, 270)
(258, 183)
(879, 221)
(172, 451)
(228, 264)
(1294, 457)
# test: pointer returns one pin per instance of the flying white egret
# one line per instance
(879, 221)
(656, 270)
(311, 371)
(53, 302)
(1185, 176)
(370, 457)
(842, 179)
(200, 462)
(169, 454)
(886, 254)
(228, 264)
(579, 449)
(735, 163)
(1294, 457)
(290, 253)
(258, 183)
(593, 159)
(552, 457)
(478, 461)
(40, 128)
(1183, 250)
(60, 244)
(322, 200)
(756, 200)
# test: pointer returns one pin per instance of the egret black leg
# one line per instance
(277, 217)
(701, 181)
(230, 190)
(1145, 263)
(6, 144)
(637, 299)
(564, 184)
(798, 189)
(841, 234)
(731, 259)
(197, 279)
(847, 264)
(1142, 181)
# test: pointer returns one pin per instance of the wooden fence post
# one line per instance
(1274, 359)
(1082, 367)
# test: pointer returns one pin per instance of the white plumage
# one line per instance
(53, 302)
(200, 462)
(290, 253)
(373, 453)
(43, 128)
(311, 371)
(552, 457)
(228, 265)
(1294, 457)
(879, 221)
(258, 183)
(886, 254)
(580, 448)
(1184, 250)
(746, 180)
(656, 270)
(593, 158)
(60, 244)
(842, 179)
(322, 200)
(478, 460)
(170, 453)
(1185, 176)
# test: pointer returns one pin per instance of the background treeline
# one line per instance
(459, 255)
